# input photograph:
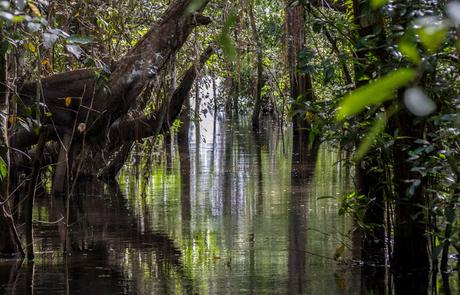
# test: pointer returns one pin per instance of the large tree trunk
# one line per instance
(145, 126)
(141, 64)
(300, 83)
(94, 108)
(370, 173)
(411, 243)
(126, 132)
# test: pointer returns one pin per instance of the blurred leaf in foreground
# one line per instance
(374, 93)
(224, 38)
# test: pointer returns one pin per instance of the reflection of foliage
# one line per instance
(213, 246)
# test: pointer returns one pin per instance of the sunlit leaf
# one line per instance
(68, 101)
(432, 32)
(33, 27)
(34, 9)
(46, 63)
(374, 93)
(6, 15)
(376, 4)
(409, 50)
(49, 40)
(3, 169)
(75, 50)
(31, 47)
(18, 19)
(418, 103)
(79, 39)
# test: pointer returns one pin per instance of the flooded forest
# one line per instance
(230, 147)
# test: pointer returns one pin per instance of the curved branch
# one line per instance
(146, 126)
(142, 63)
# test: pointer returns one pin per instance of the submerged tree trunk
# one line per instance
(10, 244)
(302, 170)
(411, 242)
(34, 178)
(9, 240)
(370, 173)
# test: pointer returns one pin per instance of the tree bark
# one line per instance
(127, 132)
(9, 240)
(145, 126)
(300, 83)
(370, 173)
(141, 64)
(411, 244)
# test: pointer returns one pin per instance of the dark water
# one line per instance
(226, 213)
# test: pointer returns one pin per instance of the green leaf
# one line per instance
(409, 50)
(224, 38)
(374, 93)
(194, 5)
(3, 169)
(339, 251)
(432, 33)
(18, 18)
(79, 39)
(376, 4)
(368, 142)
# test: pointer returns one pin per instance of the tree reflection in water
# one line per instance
(235, 212)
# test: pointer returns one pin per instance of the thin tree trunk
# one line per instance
(450, 216)
(260, 82)
(10, 243)
(34, 178)
(60, 173)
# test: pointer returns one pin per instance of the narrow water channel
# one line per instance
(227, 212)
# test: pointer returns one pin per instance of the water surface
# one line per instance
(222, 211)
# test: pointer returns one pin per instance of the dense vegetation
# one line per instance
(82, 82)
